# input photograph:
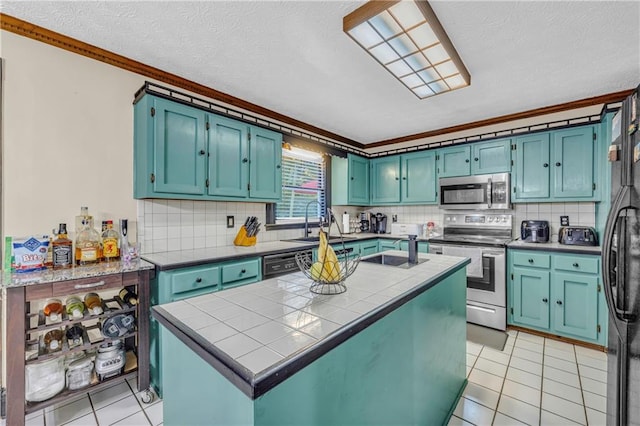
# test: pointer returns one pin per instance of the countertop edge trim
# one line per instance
(257, 385)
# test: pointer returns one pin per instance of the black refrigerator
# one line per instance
(621, 268)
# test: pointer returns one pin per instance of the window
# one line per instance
(303, 182)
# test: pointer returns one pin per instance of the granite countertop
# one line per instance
(183, 258)
(555, 246)
(258, 333)
(9, 279)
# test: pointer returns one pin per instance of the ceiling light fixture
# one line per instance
(407, 39)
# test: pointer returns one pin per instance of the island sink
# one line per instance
(392, 260)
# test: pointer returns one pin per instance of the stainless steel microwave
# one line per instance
(480, 192)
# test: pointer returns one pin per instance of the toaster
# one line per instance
(578, 236)
(534, 231)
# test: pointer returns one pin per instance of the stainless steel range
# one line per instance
(483, 238)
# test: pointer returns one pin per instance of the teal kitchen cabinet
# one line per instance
(170, 144)
(369, 247)
(183, 152)
(532, 167)
(556, 166)
(423, 246)
(419, 181)
(491, 157)
(183, 283)
(573, 163)
(385, 180)
(454, 161)
(385, 245)
(350, 181)
(557, 293)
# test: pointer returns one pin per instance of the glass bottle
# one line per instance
(53, 340)
(83, 216)
(74, 335)
(62, 249)
(48, 262)
(110, 243)
(74, 307)
(87, 245)
(53, 309)
(93, 302)
(128, 296)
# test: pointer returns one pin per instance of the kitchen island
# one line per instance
(391, 350)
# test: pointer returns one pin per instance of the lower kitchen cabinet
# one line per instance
(183, 283)
(369, 247)
(557, 293)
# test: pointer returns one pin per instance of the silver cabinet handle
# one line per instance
(80, 286)
(489, 193)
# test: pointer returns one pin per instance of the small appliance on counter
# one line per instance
(534, 231)
(578, 236)
(365, 221)
(379, 223)
(404, 229)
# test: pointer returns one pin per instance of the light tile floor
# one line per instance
(533, 381)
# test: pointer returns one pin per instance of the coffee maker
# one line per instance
(379, 223)
(364, 221)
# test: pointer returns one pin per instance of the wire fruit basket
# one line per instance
(329, 271)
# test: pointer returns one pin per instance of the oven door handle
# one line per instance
(489, 193)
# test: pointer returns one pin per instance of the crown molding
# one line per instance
(35, 32)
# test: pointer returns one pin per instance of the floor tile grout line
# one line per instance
(139, 404)
(504, 379)
(584, 403)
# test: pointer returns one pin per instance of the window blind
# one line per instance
(303, 181)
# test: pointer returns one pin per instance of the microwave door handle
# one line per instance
(489, 193)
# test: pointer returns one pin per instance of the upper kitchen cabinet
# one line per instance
(419, 178)
(183, 152)
(385, 180)
(475, 159)
(491, 157)
(406, 179)
(556, 166)
(350, 180)
(169, 149)
(454, 161)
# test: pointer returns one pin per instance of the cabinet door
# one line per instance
(454, 161)
(228, 157)
(491, 157)
(385, 245)
(358, 187)
(575, 301)
(531, 297)
(532, 167)
(573, 163)
(385, 180)
(179, 148)
(419, 178)
(368, 247)
(265, 177)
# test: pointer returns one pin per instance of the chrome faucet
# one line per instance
(306, 217)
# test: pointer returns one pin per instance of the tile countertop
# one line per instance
(183, 258)
(9, 279)
(555, 246)
(257, 333)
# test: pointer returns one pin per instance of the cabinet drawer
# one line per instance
(194, 279)
(241, 271)
(577, 264)
(531, 259)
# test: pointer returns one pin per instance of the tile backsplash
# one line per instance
(177, 225)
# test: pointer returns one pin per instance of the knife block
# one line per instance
(242, 239)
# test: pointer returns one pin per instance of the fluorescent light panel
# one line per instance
(407, 39)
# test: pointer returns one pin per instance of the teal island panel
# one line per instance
(406, 368)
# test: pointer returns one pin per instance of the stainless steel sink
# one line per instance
(392, 260)
(331, 238)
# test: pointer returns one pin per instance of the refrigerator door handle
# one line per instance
(619, 205)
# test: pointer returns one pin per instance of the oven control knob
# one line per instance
(490, 218)
(504, 219)
(448, 219)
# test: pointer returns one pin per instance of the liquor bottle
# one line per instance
(74, 335)
(128, 296)
(110, 243)
(74, 307)
(48, 262)
(62, 249)
(53, 309)
(83, 216)
(93, 302)
(88, 245)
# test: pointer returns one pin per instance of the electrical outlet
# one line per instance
(394, 218)
(564, 220)
(230, 221)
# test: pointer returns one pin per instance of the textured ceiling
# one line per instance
(292, 56)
